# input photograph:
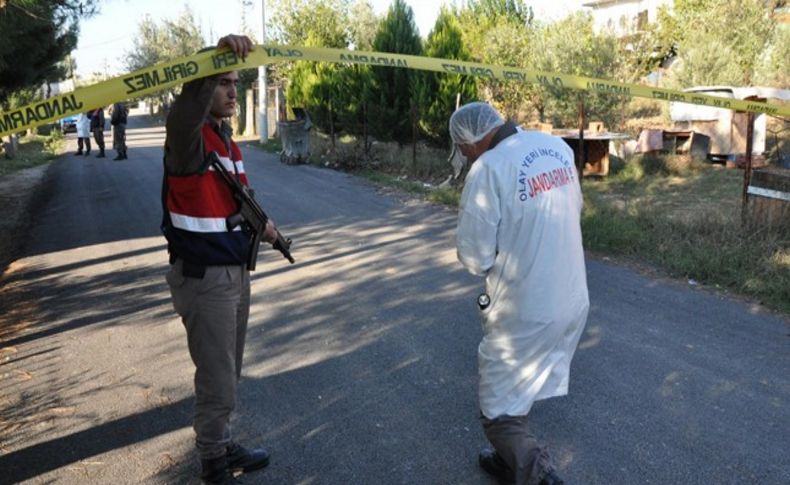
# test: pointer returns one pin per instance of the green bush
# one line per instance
(54, 142)
(46, 130)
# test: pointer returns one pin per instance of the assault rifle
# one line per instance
(250, 217)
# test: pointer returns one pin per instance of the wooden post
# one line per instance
(414, 137)
(332, 126)
(366, 144)
(580, 161)
(747, 171)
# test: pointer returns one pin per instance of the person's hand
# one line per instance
(270, 233)
(241, 45)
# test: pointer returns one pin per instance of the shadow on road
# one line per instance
(50, 455)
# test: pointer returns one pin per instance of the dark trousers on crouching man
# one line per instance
(519, 458)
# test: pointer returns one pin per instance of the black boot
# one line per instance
(495, 465)
(216, 471)
(101, 154)
(119, 156)
(242, 459)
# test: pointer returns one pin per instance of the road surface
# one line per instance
(360, 365)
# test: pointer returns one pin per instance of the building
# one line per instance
(624, 17)
(727, 128)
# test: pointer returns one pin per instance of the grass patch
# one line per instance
(445, 195)
(689, 226)
(33, 150)
(272, 145)
(399, 183)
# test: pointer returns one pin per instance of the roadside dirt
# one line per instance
(19, 193)
(17, 198)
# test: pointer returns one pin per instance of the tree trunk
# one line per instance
(365, 130)
(580, 161)
(332, 126)
(747, 170)
(10, 147)
(414, 138)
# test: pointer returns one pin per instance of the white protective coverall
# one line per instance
(519, 225)
(83, 126)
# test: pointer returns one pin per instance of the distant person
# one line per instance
(519, 226)
(120, 113)
(97, 127)
(83, 134)
(208, 278)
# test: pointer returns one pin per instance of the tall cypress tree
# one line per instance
(395, 88)
(437, 92)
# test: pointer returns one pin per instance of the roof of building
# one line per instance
(745, 92)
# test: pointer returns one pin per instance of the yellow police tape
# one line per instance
(169, 74)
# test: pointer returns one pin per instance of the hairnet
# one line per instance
(472, 122)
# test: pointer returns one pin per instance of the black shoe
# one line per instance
(118, 157)
(551, 478)
(240, 458)
(78, 153)
(495, 465)
(87, 153)
(100, 155)
(216, 471)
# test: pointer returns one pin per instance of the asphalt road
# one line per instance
(360, 365)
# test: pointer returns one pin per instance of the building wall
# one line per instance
(624, 16)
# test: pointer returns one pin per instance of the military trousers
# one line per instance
(119, 138)
(214, 309)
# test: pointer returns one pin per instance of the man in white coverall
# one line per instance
(519, 226)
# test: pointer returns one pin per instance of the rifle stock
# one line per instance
(250, 216)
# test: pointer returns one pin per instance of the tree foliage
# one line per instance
(314, 85)
(717, 41)
(37, 36)
(571, 46)
(363, 23)
(295, 21)
(509, 44)
(396, 87)
(437, 92)
(490, 11)
(160, 42)
(773, 67)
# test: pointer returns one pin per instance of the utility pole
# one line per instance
(263, 91)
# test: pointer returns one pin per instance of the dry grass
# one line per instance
(687, 222)
(33, 150)
(429, 166)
